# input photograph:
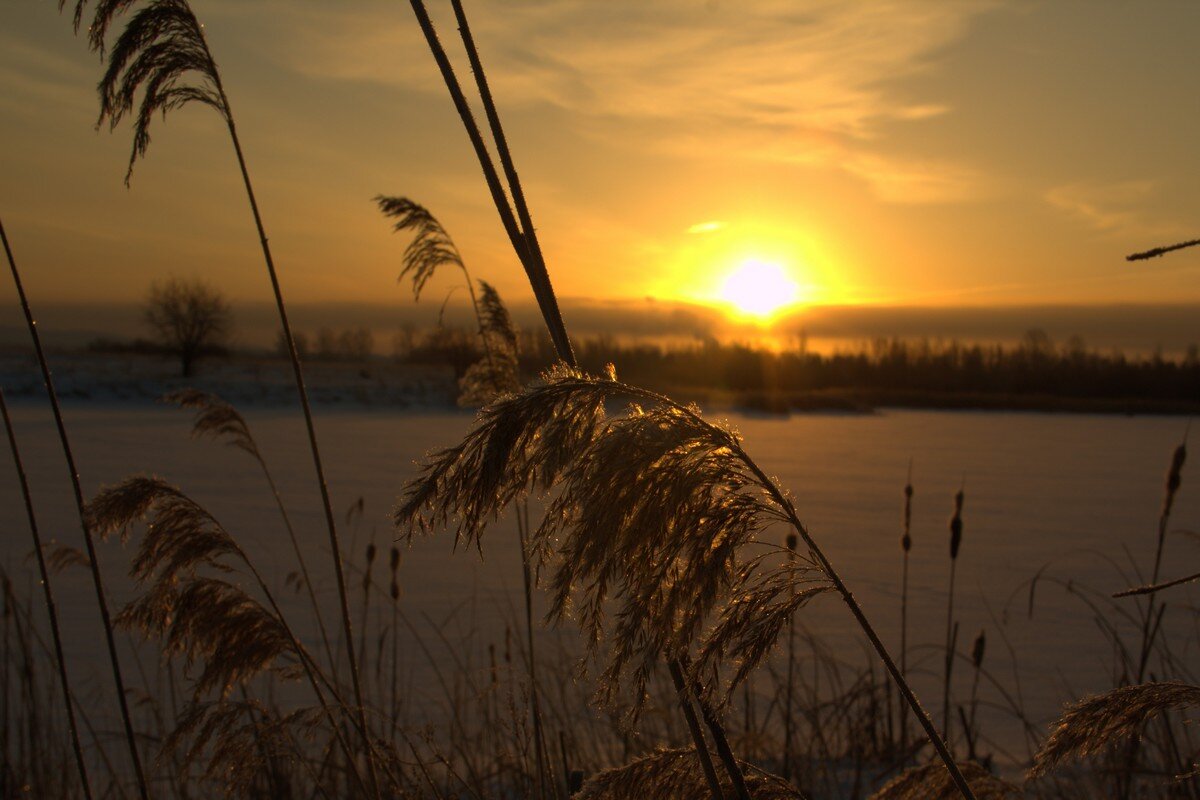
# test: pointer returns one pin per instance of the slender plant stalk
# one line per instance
(48, 592)
(906, 546)
(298, 372)
(539, 278)
(535, 713)
(689, 714)
(89, 541)
(506, 161)
(791, 542)
(956, 526)
(721, 742)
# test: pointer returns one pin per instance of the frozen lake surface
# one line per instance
(1070, 491)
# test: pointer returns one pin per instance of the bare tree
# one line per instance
(191, 317)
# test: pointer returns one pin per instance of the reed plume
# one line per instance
(219, 420)
(205, 618)
(163, 54)
(1096, 723)
(672, 774)
(933, 782)
(652, 512)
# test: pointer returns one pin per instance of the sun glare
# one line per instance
(758, 289)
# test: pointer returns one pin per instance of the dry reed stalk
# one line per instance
(956, 531)
(216, 418)
(906, 548)
(1154, 252)
(790, 542)
(161, 46)
(524, 241)
(1096, 723)
(48, 595)
(77, 492)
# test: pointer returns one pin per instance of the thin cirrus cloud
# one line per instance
(1117, 208)
(766, 80)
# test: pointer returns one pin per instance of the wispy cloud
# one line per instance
(817, 81)
(1121, 208)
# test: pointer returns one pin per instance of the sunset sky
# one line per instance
(900, 152)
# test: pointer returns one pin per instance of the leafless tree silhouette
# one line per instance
(189, 316)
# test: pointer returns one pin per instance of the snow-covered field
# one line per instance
(1071, 491)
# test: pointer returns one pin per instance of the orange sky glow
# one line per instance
(754, 156)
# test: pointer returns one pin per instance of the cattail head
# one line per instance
(395, 559)
(978, 648)
(906, 539)
(956, 525)
(371, 554)
(791, 541)
(1175, 475)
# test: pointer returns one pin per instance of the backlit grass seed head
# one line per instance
(932, 782)
(650, 512)
(1096, 723)
(161, 56)
(431, 245)
(211, 620)
(675, 774)
(215, 418)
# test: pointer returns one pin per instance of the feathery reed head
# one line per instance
(216, 418)
(496, 374)
(180, 536)
(932, 782)
(214, 621)
(652, 511)
(674, 774)
(1174, 476)
(1095, 723)
(431, 245)
(161, 54)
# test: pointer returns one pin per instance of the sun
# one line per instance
(759, 289)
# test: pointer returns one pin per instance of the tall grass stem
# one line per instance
(89, 541)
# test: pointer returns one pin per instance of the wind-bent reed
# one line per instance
(48, 594)
(216, 418)
(89, 541)
(160, 47)
(540, 283)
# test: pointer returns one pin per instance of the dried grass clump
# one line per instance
(235, 742)
(1095, 723)
(652, 511)
(933, 782)
(675, 774)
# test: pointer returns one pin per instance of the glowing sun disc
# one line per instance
(759, 289)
